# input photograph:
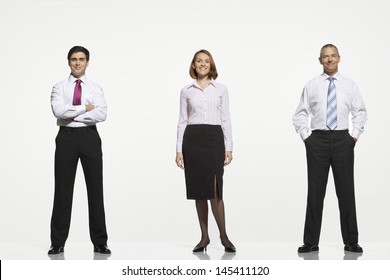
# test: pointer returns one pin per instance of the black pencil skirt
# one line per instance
(204, 156)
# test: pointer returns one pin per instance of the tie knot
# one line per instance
(331, 79)
(78, 81)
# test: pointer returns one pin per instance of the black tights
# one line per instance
(218, 209)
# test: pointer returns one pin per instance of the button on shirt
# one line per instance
(76, 115)
(313, 105)
(208, 106)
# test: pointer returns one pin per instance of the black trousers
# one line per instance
(73, 144)
(325, 149)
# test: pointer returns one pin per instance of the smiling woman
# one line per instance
(203, 67)
(204, 144)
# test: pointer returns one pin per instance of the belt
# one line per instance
(76, 129)
(328, 132)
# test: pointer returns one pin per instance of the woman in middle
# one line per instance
(204, 144)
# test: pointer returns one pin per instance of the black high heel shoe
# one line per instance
(199, 248)
(230, 249)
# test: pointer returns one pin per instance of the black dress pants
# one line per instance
(73, 144)
(325, 149)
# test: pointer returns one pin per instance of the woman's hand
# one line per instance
(228, 158)
(180, 160)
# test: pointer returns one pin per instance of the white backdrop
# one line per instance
(265, 52)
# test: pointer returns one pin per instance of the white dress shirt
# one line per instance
(208, 106)
(76, 115)
(313, 105)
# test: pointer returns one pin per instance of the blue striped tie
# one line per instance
(331, 113)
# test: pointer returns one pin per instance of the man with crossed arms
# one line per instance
(78, 104)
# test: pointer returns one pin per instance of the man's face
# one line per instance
(78, 64)
(330, 59)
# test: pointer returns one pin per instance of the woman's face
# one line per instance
(202, 65)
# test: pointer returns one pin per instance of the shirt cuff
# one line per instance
(304, 134)
(356, 133)
(80, 109)
(228, 147)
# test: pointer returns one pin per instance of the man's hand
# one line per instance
(89, 107)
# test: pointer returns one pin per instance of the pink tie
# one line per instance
(77, 93)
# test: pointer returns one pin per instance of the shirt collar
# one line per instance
(72, 79)
(326, 76)
(195, 84)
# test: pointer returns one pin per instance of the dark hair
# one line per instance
(329, 46)
(77, 49)
(213, 69)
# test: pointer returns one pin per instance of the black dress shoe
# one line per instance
(307, 248)
(353, 247)
(102, 249)
(55, 250)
